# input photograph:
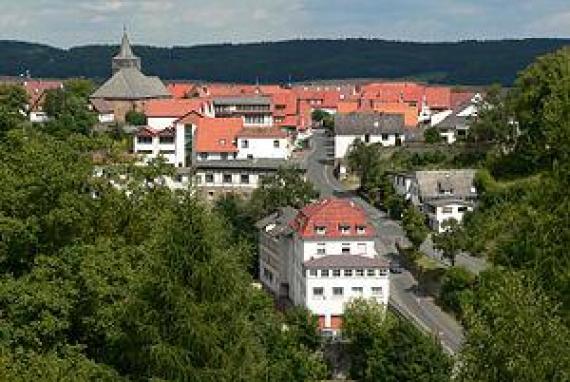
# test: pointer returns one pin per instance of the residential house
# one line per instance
(256, 111)
(37, 91)
(104, 110)
(440, 194)
(322, 257)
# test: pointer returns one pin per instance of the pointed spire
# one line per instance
(126, 51)
(125, 58)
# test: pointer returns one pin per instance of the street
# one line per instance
(403, 298)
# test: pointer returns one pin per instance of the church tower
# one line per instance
(125, 58)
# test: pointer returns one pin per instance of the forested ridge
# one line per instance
(466, 62)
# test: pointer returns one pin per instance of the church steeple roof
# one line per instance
(126, 51)
(125, 58)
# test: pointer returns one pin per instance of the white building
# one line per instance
(368, 127)
(321, 258)
(256, 111)
(441, 194)
(104, 110)
(163, 113)
(269, 143)
(167, 143)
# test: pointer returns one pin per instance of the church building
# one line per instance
(128, 88)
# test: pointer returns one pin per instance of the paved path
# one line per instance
(403, 297)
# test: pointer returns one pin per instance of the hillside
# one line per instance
(466, 62)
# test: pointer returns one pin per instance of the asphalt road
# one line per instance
(403, 297)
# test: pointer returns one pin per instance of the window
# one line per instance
(318, 292)
(178, 178)
(167, 152)
(244, 178)
(336, 272)
(325, 273)
(348, 272)
(222, 142)
(361, 229)
(313, 272)
(376, 291)
(345, 249)
(371, 272)
(224, 156)
(209, 178)
(145, 152)
(320, 230)
(357, 290)
(384, 137)
(249, 156)
(344, 229)
(276, 144)
(198, 179)
(338, 291)
(245, 144)
(360, 272)
(166, 140)
(144, 140)
(203, 156)
(321, 248)
(383, 271)
(462, 209)
(447, 210)
(227, 178)
(366, 138)
(361, 248)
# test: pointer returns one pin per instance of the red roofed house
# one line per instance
(321, 257)
(263, 142)
(36, 90)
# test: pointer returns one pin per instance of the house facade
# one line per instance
(321, 258)
(441, 195)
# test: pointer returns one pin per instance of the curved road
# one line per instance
(403, 298)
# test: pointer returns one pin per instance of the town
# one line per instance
(370, 200)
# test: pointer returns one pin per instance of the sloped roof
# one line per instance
(175, 108)
(345, 261)
(125, 52)
(242, 101)
(368, 123)
(278, 223)
(101, 106)
(217, 135)
(261, 132)
(461, 181)
(131, 84)
(332, 213)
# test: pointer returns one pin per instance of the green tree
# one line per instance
(457, 289)
(13, 103)
(494, 120)
(135, 118)
(384, 348)
(413, 222)
(450, 241)
(365, 161)
(514, 333)
(287, 187)
(69, 109)
(432, 135)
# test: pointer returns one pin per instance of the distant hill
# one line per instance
(466, 62)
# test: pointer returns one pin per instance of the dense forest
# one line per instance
(466, 62)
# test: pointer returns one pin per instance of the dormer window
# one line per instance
(344, 229)
(445, 187)
(320, 229)
(222, 142)
(361, 229)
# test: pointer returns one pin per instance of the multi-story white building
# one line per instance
(256, 111)
(321, 258)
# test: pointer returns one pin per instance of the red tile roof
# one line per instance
(174, 108)
(262, 132)
(36, 89)
(217, 135)
(460, 98)
(180, 90)
(438, 97)
(332, 213)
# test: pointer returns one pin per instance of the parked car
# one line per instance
(395, 267)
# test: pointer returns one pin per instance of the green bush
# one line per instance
(135, 118)
(456, 289)
(431, 135)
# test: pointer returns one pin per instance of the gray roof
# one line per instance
(101, 106)
(278, 222)
(131, 84)
(445, 202)
(346, 261)
(432, 184)
(125, 52)
(257, 163)
(452, 122)
(223, 101)
(368, 123)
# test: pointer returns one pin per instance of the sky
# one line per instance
(66, 23)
